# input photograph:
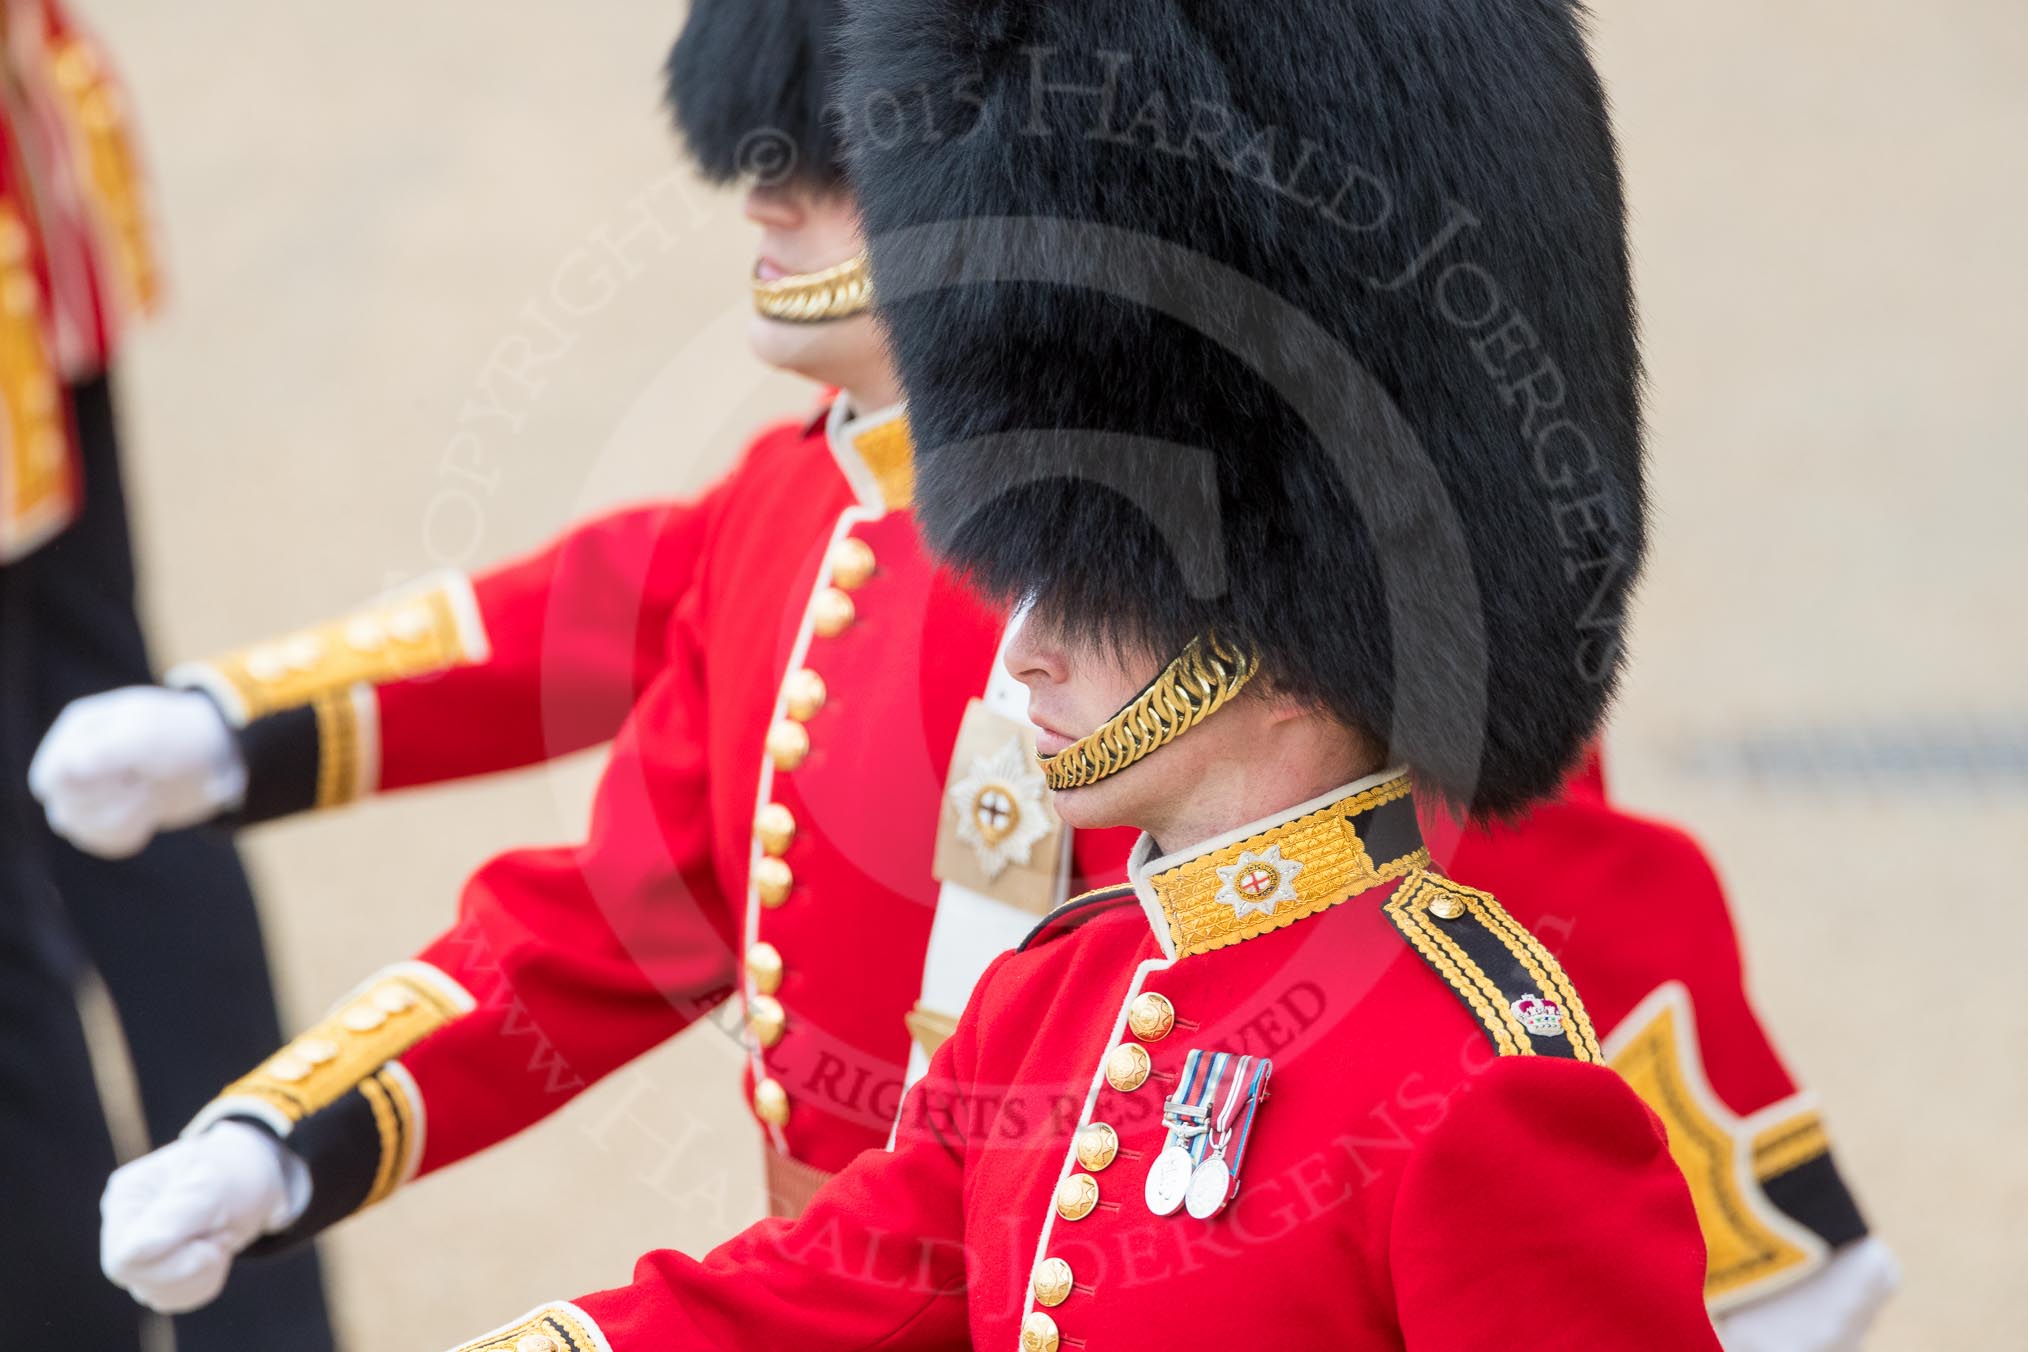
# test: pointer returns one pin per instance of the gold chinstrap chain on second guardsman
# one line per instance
(836, 292)
(1195, 686)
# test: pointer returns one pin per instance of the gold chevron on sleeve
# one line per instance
(1747, 1243)
(432, 626)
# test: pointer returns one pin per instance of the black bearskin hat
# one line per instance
(748, 82)
(1307, 322)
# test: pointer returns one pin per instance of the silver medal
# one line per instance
(1169, 1180)
(1209, 1187)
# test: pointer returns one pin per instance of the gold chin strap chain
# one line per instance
(1195, 686)
(816, 297)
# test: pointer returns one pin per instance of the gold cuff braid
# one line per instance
(837, 292)
(1195, 686)
(557, 1327)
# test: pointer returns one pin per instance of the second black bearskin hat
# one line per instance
(1307, 321)
(748, 83)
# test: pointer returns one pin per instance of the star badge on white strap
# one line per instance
(1258, 881)
(1000, 810)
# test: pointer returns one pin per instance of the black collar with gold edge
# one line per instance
(1285, 869)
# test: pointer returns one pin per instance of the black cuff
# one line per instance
(283, 754)
(1814, 1195)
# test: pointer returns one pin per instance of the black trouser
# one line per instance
(174, 935)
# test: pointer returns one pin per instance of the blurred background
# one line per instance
(366, 371)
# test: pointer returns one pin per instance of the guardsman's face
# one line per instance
(1075, 684)
(805, 231)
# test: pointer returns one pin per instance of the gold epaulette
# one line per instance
(1513, 986)
(558, 1327)
(428, 627)
(354, 1048)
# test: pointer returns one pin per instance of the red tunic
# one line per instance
(1424, 1173)
(678, 627)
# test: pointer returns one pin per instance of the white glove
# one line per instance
(120, 766)
(1828, 1311)
(173, 1221)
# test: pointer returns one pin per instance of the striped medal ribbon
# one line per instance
(1187, 1113)
(1215, 1181)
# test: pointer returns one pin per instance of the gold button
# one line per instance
(365, 634)
(775, 828)
(303, 652)
(764, 967)
(788, 743)
(266, 664)
(1151, 1016)
(1038, 1333)
(834, 612)
(363, 1018)
(772, 880)
(1447, 908)
(394, 999)
(1076, 1196)
(536, 1342)
(766, 1019)
(411, 623)
(803, 695)
(1127, 1067)
(851, 563)
(289, 1068)
(771, 1103)
(1052, 1282)
(1097, 1145)
(315, 1050)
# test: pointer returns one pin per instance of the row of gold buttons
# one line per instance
(850, 564)
(1150, 1018)
(295, 1062)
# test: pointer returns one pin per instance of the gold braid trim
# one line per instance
(1196, 685)
(1549, 975)
(427, 627)
(391, 1119)
(338, 750)
(109, 168)
(837, 292)
(552, 1328)
(1410, 907)
(1785, 1145)
(1333, 866)
(384, 1018)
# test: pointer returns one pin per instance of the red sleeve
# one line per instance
(877, 1261)
(580, 959)
(576, 631)
(1544, 1211)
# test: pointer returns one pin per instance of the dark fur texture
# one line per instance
(1231, 411)
(750, 77)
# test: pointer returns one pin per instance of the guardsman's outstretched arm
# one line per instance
(564, 964)
(446, 678)
(878, 1260)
